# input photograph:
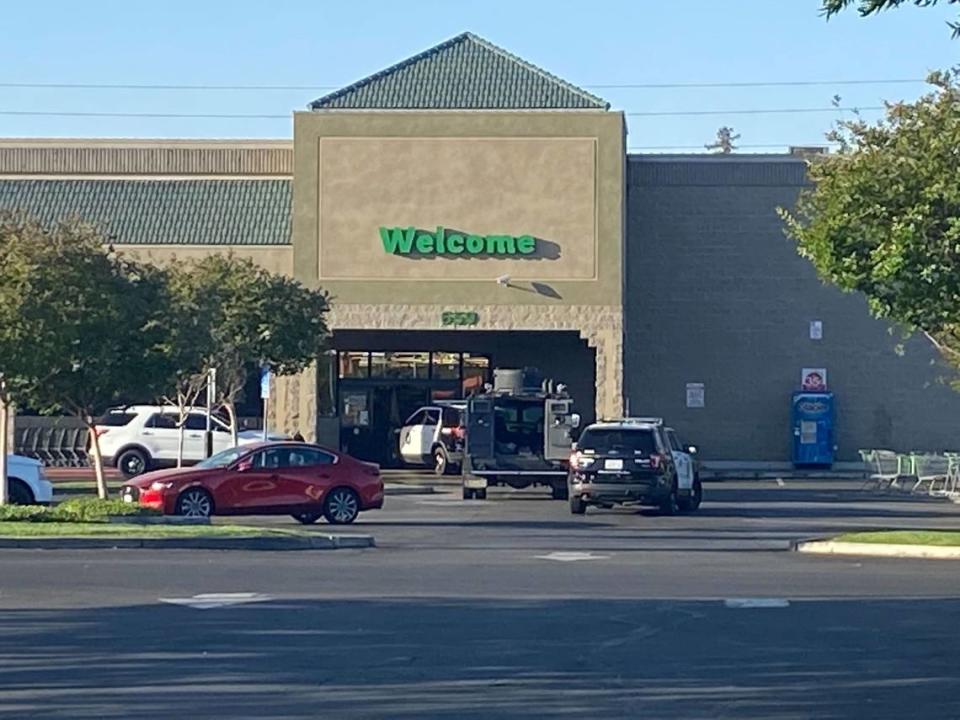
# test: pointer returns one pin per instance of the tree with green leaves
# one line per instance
(254, 317)
(81, 327)
(882, 216)
(872, 7)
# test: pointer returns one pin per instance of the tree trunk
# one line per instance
(180, 433)
(4, 419)
(102, 492)
(232, 414)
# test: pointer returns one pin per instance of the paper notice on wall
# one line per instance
(813, 379)
(695, 395)
(816, 330)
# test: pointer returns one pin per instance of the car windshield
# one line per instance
(223, 458)
(604, 440)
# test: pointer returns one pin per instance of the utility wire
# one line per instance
(255, 116)
(596, 86)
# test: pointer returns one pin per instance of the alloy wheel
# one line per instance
(342, 507)
(195, 503)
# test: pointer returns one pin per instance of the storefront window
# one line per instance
(446, 366)
(476, 372)
(327, 384)
(354, 364)
(354, 409)
(400, 365)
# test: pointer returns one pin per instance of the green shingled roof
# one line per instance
(464, 73)
(156, 212)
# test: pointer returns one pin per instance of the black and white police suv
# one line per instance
(633, 461)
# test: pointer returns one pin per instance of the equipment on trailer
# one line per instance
(519, 433)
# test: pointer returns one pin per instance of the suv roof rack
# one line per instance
(634, 420)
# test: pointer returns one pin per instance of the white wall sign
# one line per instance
(813, 379)
(695, 395)
(816, 330)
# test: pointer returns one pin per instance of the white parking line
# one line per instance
(756, 603)
(207, 601)
(571, 556)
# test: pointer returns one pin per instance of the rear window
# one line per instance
(630, 442)
(452, 417)
(116, 418)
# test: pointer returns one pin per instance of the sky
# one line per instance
(320, 45)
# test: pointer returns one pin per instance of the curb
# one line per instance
(400, 489)
(313, 542)
(833, 547)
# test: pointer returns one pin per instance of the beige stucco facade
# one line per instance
(555, 176)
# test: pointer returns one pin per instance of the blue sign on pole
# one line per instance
(264, 383)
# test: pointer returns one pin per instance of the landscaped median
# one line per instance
(90, 523)
(931, 544)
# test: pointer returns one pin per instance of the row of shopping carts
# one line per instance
(54, 446)
(936, 474)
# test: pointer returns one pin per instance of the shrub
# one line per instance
(73, 510)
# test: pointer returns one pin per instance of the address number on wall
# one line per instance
(459, 319)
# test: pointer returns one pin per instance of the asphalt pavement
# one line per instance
(506, 608)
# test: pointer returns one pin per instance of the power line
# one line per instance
(776, 83)
(595, 86)
(266, 116)
(737, 146)
(753, 111)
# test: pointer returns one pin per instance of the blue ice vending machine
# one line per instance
(812, 420)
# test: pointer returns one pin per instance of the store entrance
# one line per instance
(378, 391)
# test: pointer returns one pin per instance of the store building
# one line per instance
(467, 210)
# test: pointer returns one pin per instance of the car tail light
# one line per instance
(655, 461)
(579, 461)
(98, 431)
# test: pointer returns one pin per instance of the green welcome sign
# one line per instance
(410, 241)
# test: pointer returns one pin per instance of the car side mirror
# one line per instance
(575, 420)
(692, 449)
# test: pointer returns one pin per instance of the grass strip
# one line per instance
(941, 538)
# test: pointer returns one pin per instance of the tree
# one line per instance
(872, 7)
(883, 214)
(724, 144)
(188, 344)
(255, 317)
(90, 324)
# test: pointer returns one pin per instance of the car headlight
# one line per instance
(159, 485)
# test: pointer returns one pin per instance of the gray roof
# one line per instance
(156, 212)
(463, 73)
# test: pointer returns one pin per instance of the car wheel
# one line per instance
(559, 492)
(341, 507)
(19, 493)
(441, 465)
(670, 504)
(132, 463)
(194, 502)
(307, 518)
(690, 504)
(577, 506)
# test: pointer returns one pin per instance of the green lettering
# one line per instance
(397, 240)
(501, 245)
(455, 244)
(526, 244)
(475, 244)
(425, 243)
(441, 236)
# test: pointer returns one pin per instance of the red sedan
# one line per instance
(303, 480)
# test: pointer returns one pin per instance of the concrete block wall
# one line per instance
(717, 294)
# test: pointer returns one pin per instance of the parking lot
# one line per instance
(505, 608)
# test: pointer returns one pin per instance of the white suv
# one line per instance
(139, 438)
(26, 483)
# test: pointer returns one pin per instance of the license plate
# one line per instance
(613, 464)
